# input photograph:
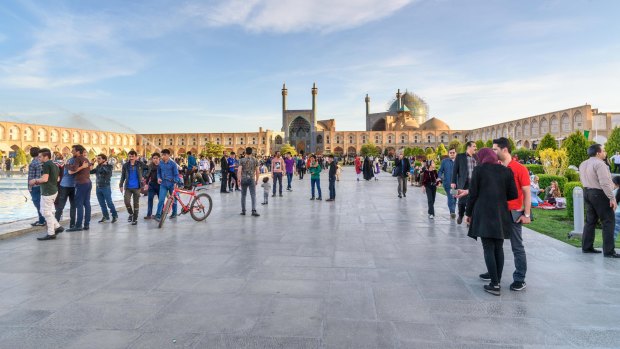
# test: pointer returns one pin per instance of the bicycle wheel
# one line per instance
(165, 211)
(201, 207)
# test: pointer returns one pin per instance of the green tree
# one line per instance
(576, 146)
(479, 144)
(429, 151)
(547, 142)
(122, 154)
(91, 154)
(287, 148)
(513, 145)
(455, 144)
(20, 158)
(488, 144)
(613, 142)
(212, 150)
(441, 151)
(370, 149)
(523, 153)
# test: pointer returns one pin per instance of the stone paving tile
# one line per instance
(368, 271)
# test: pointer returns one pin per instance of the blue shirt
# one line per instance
(168, 172)
(191, 162)
(68, 180)
(132, 181)
(231, 164)
(445, 171)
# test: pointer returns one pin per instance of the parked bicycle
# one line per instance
(198, 204)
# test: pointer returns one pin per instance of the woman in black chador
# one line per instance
(367, 169)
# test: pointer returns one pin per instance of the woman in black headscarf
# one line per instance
(367, 169)
(492, 186)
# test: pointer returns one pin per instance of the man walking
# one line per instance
(130, 183)
(48, 182)
(83, 187)
(445, 173)
(289, 163)
(461, 175)
(277, 169)
(402, 172)
(224, 173)
(151, 181)
(34, 172)
(67, 191)
(599, 200)
(616, 160)
(519, 208)
(332, 177)
(103, 173)
(248, 179)
(167, 177)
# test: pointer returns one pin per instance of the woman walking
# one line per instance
(492, 186)
(429, 186)
(358, 167)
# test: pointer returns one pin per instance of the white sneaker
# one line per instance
(430, 216)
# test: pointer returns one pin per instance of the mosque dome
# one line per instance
(434, 124)
(415, 104)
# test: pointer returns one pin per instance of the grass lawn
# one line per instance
(556, 224)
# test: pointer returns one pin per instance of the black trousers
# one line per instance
(463, 202)
(597, 208)
(431, 192)
(65, 193)
(224, 187)
(494, 258)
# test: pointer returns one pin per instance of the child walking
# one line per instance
(266, 189)
(429, 186)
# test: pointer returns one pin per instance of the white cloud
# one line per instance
(292, 15)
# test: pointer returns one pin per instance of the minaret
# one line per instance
(367, 105)
(313, 123)
(284, 94)
(398, 99)
(314, 93)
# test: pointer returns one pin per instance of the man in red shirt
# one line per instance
(520, 208)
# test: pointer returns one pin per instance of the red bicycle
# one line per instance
(198, 205)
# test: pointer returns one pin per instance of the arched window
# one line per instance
(555, 125)
(319, 139)
(350, 139)
(229, 140)
(278, 140)
(565, 123)
(578, 121)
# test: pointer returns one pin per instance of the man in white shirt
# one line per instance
(204, 167)
(616, 160)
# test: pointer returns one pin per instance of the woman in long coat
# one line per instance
(367, 169)
(358, 167)
(492, 186)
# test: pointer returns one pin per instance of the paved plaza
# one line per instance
(368, 271)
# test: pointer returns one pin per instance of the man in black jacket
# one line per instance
(103, 172)
(463, 168)
(333, 166)
(130, 184)
(402, 168)
(224, 173)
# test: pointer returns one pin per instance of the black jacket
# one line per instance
(125, 174)
(402, 171)
(491, 187)
(224, 164)
(103, 174)
(151, 174)
(332, 170)
(460, 171)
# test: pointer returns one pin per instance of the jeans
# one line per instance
(494, 258)
(163, 190)
(104, 196)
(301, 172)
(431, 192)
(597, 207)
(289, 179)
(82, 203)
(315, 182)
(248, 183)
(48, 210)
(65, 193)
(617, 230)
(35, 195)
(153, 190)
(135, 193)
(332, 188)
(402, 185)
(277, 177)
(224, 187)
(518, 251)
(451, 199)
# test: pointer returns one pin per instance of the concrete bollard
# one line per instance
(577, 213)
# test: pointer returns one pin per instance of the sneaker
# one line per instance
(493, 289)
(134, 222)
(430, 216)
(74, 229)
(459, 220)
(148, 217)
(114, 219)
(517, 286)
(86, 227)
(38, 224)
(173, 216)
(320, 198)
(130, 218)
(103, 220)
(452, 215)
(312, 198)
(264, 203)
(242, 213)
(157, 218)
(274, 195)
(485, 277)
(255, 214)
(281, 195)
(400, 196)
(404, 195)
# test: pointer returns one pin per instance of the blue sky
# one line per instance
(213, 66)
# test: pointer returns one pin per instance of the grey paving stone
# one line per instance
(355, 334)
(351, 300)
(291, 317)
(254, 342)
(165, 339)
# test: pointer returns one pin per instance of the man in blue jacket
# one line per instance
(167, 177)
(445, 173)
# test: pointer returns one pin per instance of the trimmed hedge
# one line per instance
(569, 196)
(545, 180)
(535, 169)
(571, 175)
